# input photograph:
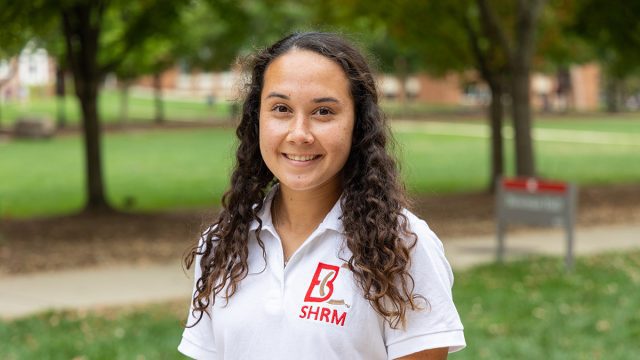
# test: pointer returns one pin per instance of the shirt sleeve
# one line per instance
(437, 324)
(198, 341)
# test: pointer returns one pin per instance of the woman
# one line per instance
(314, 255)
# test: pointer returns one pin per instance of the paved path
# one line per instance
(22, 295)
(467, 252)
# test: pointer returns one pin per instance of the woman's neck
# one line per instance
(300, 212)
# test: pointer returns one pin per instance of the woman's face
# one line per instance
(306, 120)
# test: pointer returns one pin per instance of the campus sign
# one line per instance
(532, 201)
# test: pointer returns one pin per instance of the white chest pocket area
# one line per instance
(329, 295)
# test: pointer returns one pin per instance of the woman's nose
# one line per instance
(299, 131)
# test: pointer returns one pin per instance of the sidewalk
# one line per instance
(22, 295)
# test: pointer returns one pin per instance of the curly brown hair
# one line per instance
(373, 199)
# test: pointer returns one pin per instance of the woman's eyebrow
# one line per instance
(316, 100)
(326, 99)
(277, 95)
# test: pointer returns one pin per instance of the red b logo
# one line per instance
(323, 279)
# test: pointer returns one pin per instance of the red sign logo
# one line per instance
(320, 290)
(322, 280)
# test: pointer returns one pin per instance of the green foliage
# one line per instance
(400, 34)
(613, 29)
(152, 26)
(558, 46)
(273, 19)
(213, 33)
(17, 19)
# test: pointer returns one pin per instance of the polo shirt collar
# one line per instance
(265, 213)
(332, 221)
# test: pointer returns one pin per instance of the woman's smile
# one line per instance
(301, 158)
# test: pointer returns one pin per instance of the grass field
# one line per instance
(620, 124)
(532, 310)
(523, 310)
(152, 170)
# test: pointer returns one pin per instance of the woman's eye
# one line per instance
(280, 108)
(324, 111)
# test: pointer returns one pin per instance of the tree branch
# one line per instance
(476, 50)
(492, 27)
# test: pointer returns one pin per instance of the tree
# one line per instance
(611, 28)
(82, 24)
(465, 34)
(519, 50)
(496, 38)
(90, 56)
(501, 40)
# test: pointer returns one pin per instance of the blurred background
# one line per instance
(117, 139)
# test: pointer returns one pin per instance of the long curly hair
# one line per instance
(376, 230)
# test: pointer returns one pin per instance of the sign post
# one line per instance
(532, 201)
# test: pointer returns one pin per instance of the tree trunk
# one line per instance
(82, 24)
(521, 112)
(520, 59)
(496, 115)
(93, 161)
(124, 101)
(157, 91)
(60, 97)
(519, 54)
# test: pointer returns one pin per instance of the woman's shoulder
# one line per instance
(428, 248)
(207, 234)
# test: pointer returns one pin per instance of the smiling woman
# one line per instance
(306, 121)
(314, 254)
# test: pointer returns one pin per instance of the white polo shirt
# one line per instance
(313, 308)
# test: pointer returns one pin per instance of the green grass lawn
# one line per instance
(623, 123)
(532, 310)
(153, 170)
(151, 332)
(523, 310)
(158, 170)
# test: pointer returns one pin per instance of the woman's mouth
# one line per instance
(302, 158)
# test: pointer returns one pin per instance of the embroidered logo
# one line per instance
(320, 290)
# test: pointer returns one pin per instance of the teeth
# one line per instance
(301, 157)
